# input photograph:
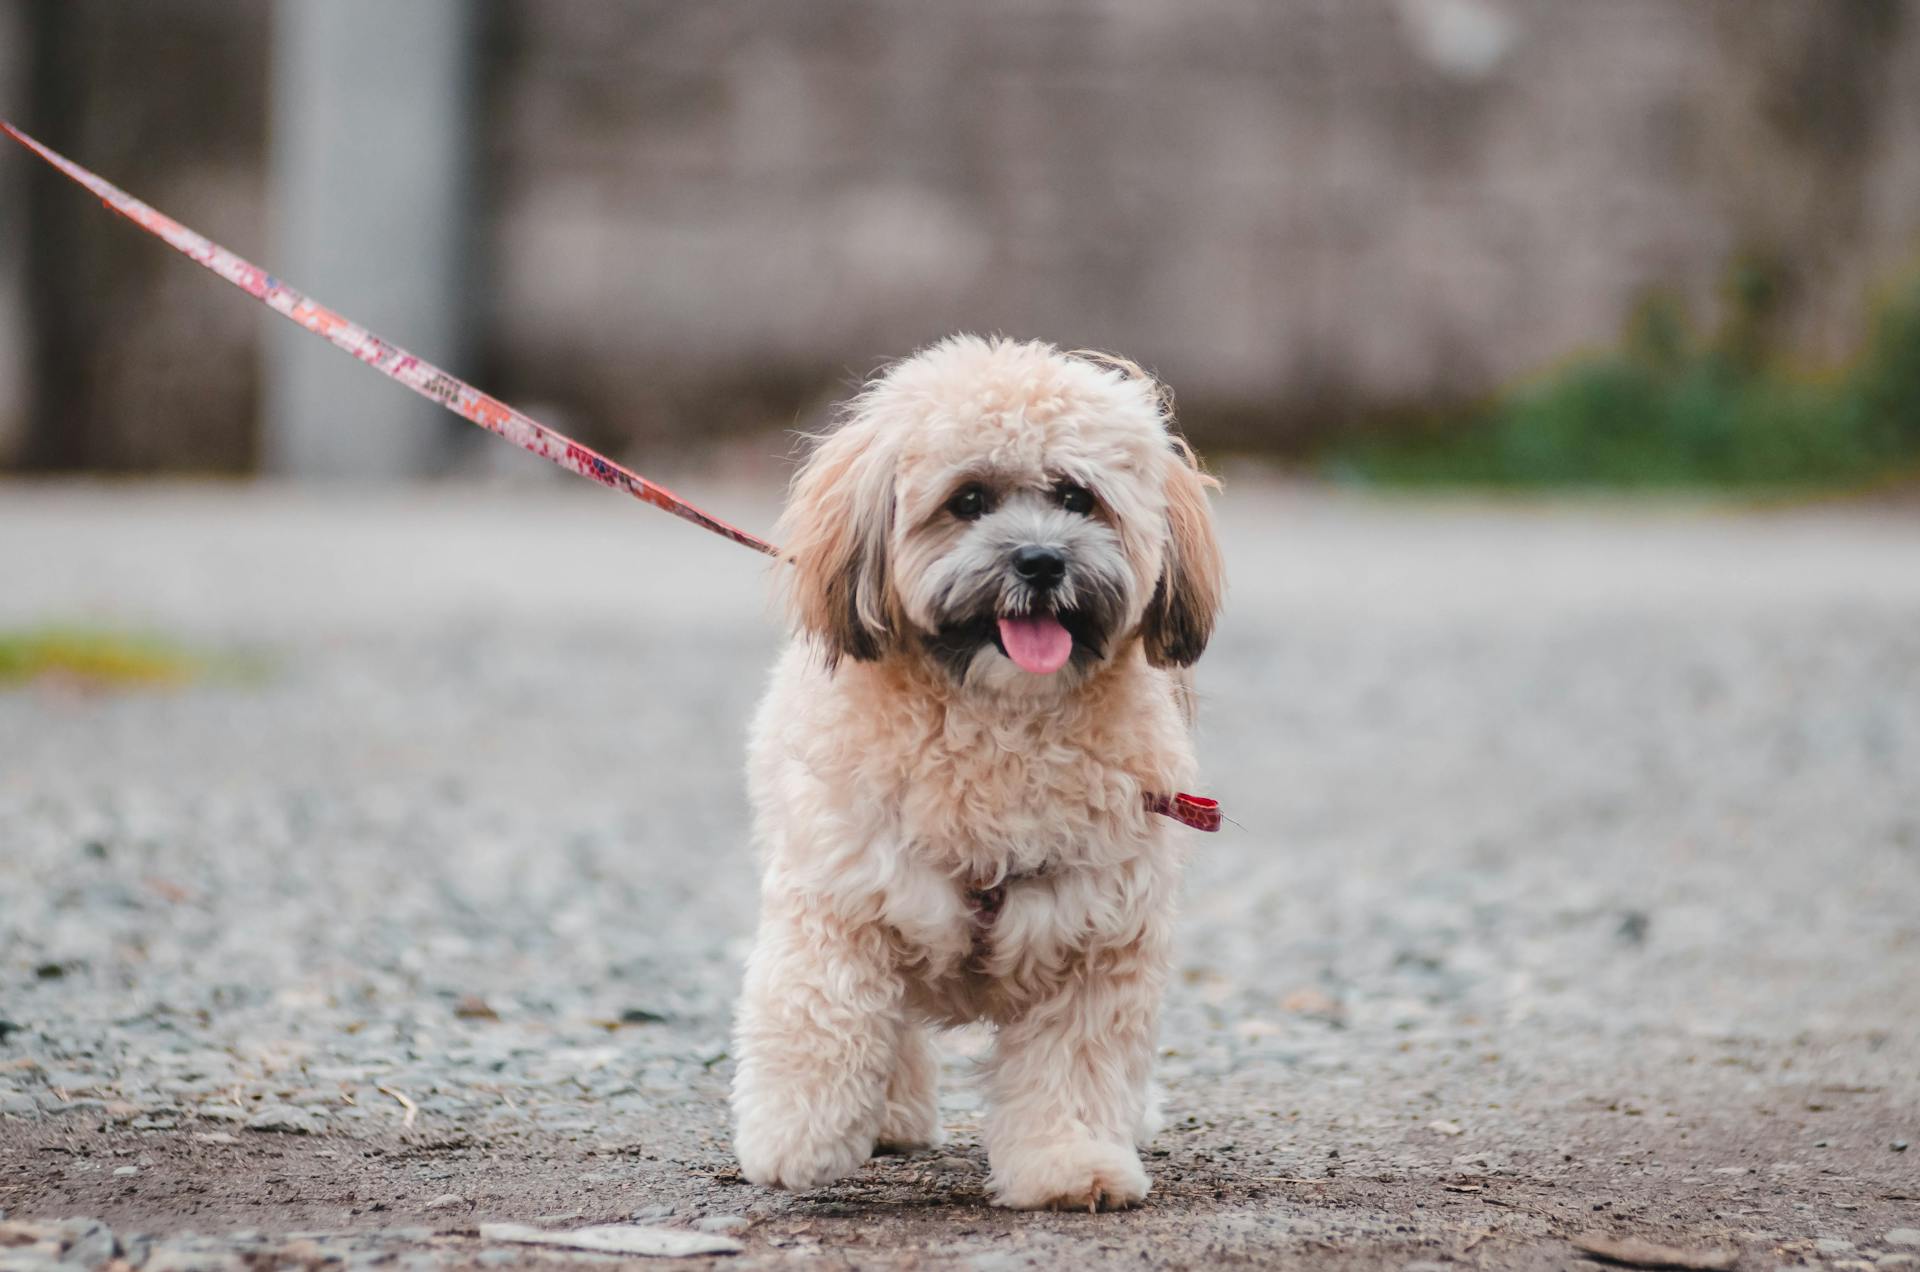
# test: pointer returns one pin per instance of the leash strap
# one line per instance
(387, 358)
(456, 395)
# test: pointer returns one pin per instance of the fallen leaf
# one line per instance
(616, 1238)
(474, 1007)
(20, 1232)
(1640, 1253)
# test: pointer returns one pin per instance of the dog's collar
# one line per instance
(1196, 811)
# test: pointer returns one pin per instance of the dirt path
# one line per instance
(1575, 886)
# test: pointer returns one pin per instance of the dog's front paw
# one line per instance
(797, 1157)
(1074, 1174)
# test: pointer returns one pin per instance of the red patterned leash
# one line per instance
(456, 395)
(1196, 811)
(389, 359)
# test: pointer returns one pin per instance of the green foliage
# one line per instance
(1668, 410)
(95, 659)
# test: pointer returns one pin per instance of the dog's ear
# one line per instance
(834, 531)
(1179, 618)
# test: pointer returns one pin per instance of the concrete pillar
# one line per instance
(370, 181)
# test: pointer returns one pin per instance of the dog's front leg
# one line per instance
(815, 1043)
(1068, 1086)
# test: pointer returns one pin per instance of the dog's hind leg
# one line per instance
(816, 1044)
(912, 1119)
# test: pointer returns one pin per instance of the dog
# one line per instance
(1003, 562)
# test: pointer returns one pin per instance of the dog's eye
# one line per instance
(969, 503)
(1074, 498)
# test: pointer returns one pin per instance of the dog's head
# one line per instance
(1011, 511)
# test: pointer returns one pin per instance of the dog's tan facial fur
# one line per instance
(917, 746)
(876, 549)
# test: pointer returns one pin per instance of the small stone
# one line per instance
(283, 1119)
(184, 1258)
(1898, 1146)
(726, 1225)
(1903, 1237)
(1444, 1127)
(90, 1243)
(221, 1113)
(1833, 1245)
(950, 1163)
(647, 1214)
(1311, 1002)
(311, 1098)
(127, 1170)
(216, 1137)
(446, 1200)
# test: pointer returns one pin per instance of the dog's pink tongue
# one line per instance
(1039, 645)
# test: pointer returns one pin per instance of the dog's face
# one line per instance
(1017, 514)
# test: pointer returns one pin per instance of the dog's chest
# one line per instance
(990, 801)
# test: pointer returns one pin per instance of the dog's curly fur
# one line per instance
(902, 763)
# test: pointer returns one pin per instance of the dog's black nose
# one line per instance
(1042, 567)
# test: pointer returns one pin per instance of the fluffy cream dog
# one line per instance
(1003, 557)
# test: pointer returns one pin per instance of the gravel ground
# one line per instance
(1573, 886)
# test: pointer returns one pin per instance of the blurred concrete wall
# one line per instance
(140, 360)
(13, 246)
(1300, 211)
(1307, 214)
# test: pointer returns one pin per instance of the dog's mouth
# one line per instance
(1038, 644)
